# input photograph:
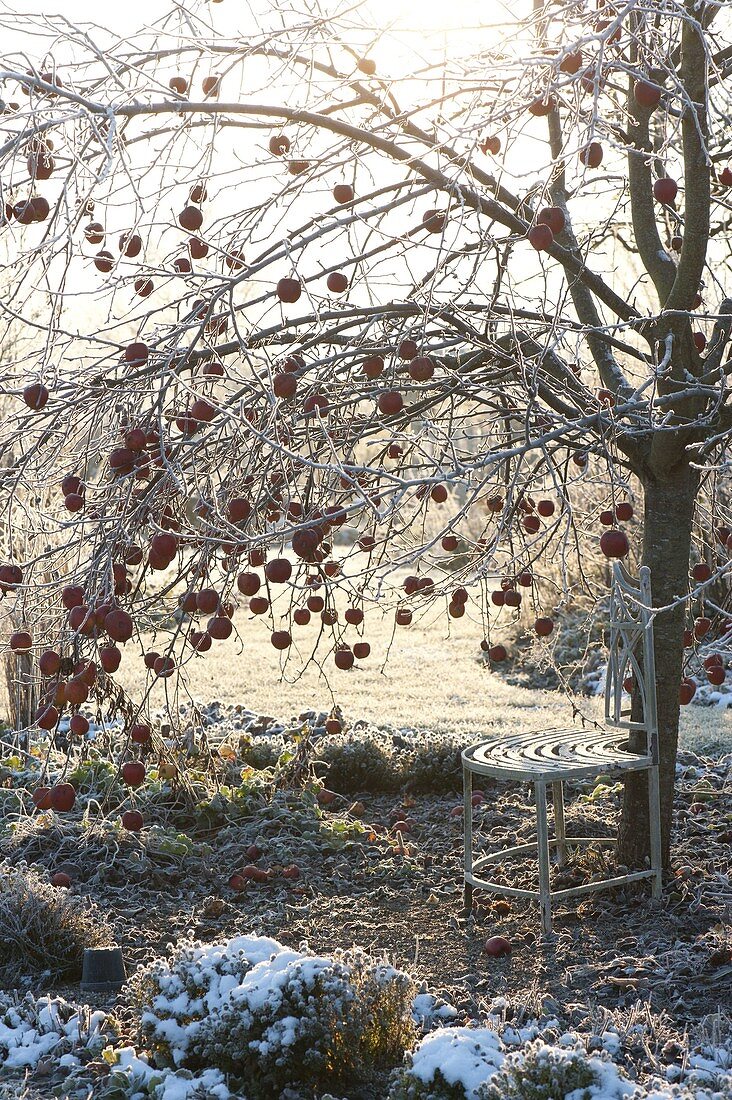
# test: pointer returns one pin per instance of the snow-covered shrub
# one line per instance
(449, 1064)
(44, 928)
(543, 1072)
(272, 1016)
(32, 1029)
(462, 1063)
(429, 1010)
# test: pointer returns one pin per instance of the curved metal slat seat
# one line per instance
(554, 754)
(549, 757)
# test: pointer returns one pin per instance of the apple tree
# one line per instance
(308, 322)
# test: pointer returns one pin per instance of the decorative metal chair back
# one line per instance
(631, 655)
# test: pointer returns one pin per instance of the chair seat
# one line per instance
(553, 755)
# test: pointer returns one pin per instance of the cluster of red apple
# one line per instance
(141, 449)
(714, 663)
(61, 797)
(252, 872)
(96, 618)
(309, 546)
(613, 544)
(550, 221)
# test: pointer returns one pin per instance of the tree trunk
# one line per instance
(669, 506)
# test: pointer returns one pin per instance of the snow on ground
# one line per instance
(31, 1029)
(471, 1058)
(250, 970)
(34, 1031)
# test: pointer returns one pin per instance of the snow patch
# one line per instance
(31, 1030)
(139, 1080)
(464, 1056)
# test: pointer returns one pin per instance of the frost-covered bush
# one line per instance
(259, 753)
(371, 763)
(408, 1087)
(274, 1017)
(543, 1072)
(373, 760)
(449, 1064)
(42, 927)
(360, 764)
(435, 766)
(32, 1029)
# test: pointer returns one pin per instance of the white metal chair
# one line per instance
(553, 756)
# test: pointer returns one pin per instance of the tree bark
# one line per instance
(669, 506)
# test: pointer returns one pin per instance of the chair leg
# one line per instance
(558, 803)
(542, 834)
(654, 819)
(468, 837)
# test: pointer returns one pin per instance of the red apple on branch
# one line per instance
(541, 237)
(63, 797)
(646, 94)
(614, 544)
(133, 773)
(665, 190)
(289, 290)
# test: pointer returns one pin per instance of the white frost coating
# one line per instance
(264, 981)
(611, 1042)
(175, 1087)
(463, 1055)
(215, 971)
(28, 1047)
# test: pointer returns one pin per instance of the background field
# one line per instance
(433, 678)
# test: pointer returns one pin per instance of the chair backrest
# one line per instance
(631, 654)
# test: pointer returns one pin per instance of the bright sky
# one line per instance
(120, 17)
(130, 15)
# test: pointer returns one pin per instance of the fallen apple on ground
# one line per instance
(497, 946)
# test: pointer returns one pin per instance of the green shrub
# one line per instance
(430, 765)
(371, 760)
